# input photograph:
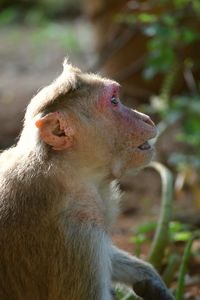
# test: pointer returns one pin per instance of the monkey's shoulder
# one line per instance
(8, 158)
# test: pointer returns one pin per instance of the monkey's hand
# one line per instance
(152, 289)
(143, 278)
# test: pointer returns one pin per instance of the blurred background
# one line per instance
(153, 49)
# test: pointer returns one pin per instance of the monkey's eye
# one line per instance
(114, 101)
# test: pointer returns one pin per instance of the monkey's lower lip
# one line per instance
(145, 146)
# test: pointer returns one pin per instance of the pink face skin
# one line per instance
(129, 129)
(109, 91)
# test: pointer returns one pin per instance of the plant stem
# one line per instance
(172, 266)
(184, 264)
(161, 238)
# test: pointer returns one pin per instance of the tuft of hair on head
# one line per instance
(64, 83)
(68, 78)
(69, 68)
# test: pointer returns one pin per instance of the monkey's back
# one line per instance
(31, 256)
(39, 259)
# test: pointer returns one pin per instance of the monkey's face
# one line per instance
(127, 132)
(87, 122)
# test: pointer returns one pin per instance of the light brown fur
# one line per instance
(58, 195)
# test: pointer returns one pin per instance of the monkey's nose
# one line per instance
(145, 118)
(149, 121)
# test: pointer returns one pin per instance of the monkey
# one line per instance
(59, 194)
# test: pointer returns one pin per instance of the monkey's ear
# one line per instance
(55, 131)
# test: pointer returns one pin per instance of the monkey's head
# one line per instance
(80, 117)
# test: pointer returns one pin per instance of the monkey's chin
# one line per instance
(148, 159)
(146, 155)
(140, 159)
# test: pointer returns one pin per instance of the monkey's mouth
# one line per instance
(148, 145)
(145, 146)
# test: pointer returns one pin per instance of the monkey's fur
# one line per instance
(58, 195)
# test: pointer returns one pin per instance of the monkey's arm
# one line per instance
(140, 275)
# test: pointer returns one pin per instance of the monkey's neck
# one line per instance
(91, 199)
(88, 194)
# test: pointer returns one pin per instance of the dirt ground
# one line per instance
(30, 58)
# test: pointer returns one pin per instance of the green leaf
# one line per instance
(146, 228)
(168, 20)
(183, 236)
(139, 239)
(188, 36)
(147, 18)
(175, 227)
(8, 16)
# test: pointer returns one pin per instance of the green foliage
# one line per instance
(170, 32)
(36, 12)
(186, 110)
(168, 36)
(190, 112)
(145, 228)
(35, 17)
(8, 16)
(184, 265)
(179, 232)
(58, 7)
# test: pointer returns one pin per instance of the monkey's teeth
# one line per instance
(144, 146)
